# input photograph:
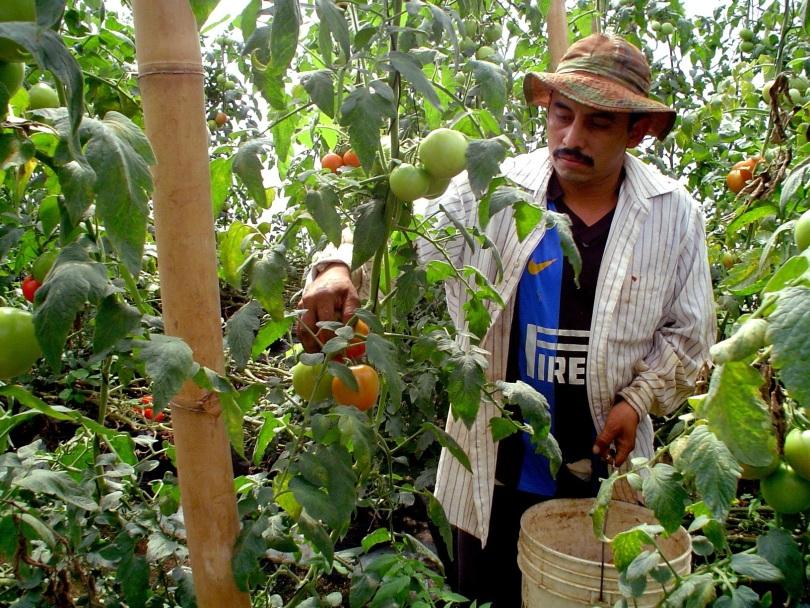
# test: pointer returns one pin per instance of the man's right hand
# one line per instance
(331, 296)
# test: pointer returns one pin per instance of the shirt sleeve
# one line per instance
(666, 376)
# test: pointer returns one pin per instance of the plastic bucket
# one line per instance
(561, 560)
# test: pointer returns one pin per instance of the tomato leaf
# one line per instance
(332, 20)
(788, 327)
(234, 426)
(439, 518)
(447, 441)
(714, 470)
(500, 199)
(324, 484)
(248, 552)
(169, 363)
(284, 34)
(248, 166)
(464, 384)
(599, 510)
(741, 597)
(233, 252)
(363, 112)
(527, 217)
(133, 574)
(492, 81)
(562, 223)
(270, 333)
(320, 86)
(411, 70)
(756, 567)
(73, 281)
(382, 354)
(114, 321)
(77, 181)
(56, 483)
(202, 9)
(267, 279)
(357, 435)
(781, 550)
(369, 232)
(322, 206)
(240, 332)
(627, 546)
(738, 415)
(484, 158)
(664, 493)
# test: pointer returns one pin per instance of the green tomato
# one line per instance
(493, 32)
(19, 348)
(766, 91)
(311, 382)
(796, 96)
(467, 47)
(785, 491)
(470, 27)
(41, 95)
(799, 83)
(655, 26)
(746, 47)
(409, 183)
(667, 29)
(11, 76)
(437, 186)
(797, 452)
(801, 231)
(444, 152)
(42, 265)
(15, 10)
(747, 34)
(484, 52)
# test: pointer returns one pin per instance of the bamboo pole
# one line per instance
(171, 81)
(557, 32)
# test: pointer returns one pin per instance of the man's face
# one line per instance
(587, 145)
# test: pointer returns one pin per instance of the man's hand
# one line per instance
(620, 430)
(330, 297)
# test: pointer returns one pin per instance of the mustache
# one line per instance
(573, 154)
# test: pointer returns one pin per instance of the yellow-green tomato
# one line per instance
(444, 152)
(785, 491)
(797, 451)
(41, 95)
(801, 231)
(409, 183)
(311, 382)
(437, 186)
(11, 76)
(19, 348)
(15, 10)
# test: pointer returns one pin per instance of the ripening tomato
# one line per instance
(737, 178)
(332, 162)
(368, 388)
(357, 345)
(350, 158)
(220, 119)
(29, 288)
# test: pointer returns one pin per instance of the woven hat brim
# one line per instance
(598, 93)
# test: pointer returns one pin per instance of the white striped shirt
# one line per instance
(652, 325)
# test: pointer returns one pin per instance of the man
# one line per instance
(628, 341)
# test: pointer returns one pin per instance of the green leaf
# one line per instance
(527, 218)
(202, 9)
(533, 405)
(266, 434)
(484, 158)
(379, 536)
(234, 427)
(39, 528)
(643, 565)
(320, 86)
(795, 184)
(599, 510)
(284, 34)
(411, 70)
(333, 21)
(501, 198)
(502, 428)
(270, 333)
(439, 519)
(77, 181)
(755, 567)
(234, 246)
(492, 81)
(695, 591)
(119, 153)
(247, 164)
(788, 327)
(51, 54)
(15, 152)
(324, 484)
(73, 282)
(267, 279)
(56, 483)
(627, 546)
(133, 574)
(363, 112)
(738, 415)
(169, 363)
(114, 321)
(664, 493)
(369, 233)
(8, 538)
(240, 332)
(781, 550)
(221, 181)
(357, 436)
(750, 217)
(464, 384)
(562, 223)
(477, 317)
(447, 441)
(709, 462)
(315, 533)
(322, 206)
(741, 597)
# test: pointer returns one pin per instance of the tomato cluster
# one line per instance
(443, 154)
(334, 161)
(147, 411)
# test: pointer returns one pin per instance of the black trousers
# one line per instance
(491, 574)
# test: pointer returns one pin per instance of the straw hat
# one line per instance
(606, 73)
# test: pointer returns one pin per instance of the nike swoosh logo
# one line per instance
(535, 268)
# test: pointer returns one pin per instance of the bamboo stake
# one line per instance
(171, 80)
(557, 32)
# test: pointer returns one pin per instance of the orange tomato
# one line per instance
(350, 158)
(221, 118)
(368, 388)
(332, 162)
(737, 178)
(357, 345)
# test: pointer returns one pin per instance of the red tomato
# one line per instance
(332, 162)
(350, 158)
(29, 287)
(160, 417)
(357, 345)
(147, 413)
(146, 399)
